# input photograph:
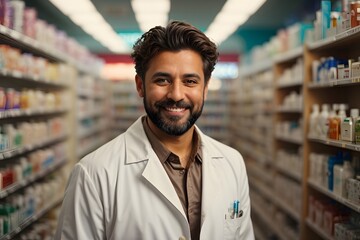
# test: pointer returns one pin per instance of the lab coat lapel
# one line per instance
(139, 149)
(211, 186)
(155, 173)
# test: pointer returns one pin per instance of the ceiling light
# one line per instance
(233, 14)
(84, 14)
(149, 14)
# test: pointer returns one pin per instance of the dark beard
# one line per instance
(169, 125)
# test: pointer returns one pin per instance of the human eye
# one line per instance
(162, 81)
(191, 82)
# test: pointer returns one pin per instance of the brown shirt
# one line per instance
(186, 181)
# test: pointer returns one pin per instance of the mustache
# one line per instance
(172, 103)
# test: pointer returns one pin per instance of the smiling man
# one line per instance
(163, 178)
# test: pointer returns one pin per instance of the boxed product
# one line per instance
(353, 186)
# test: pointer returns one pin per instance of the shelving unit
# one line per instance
(127, 105)
(252, 110)
(215, 116)
(288, 71)
(39, 113)
(93, 111)
(294, 113)
(329, 92)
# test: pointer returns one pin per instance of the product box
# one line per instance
(342, 230)
(353, 234)
(345, 22)
(355, 69)
(333, 216)
(353, 186)
(343, 72)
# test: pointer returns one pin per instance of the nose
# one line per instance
(176, 91)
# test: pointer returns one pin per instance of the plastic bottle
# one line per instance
(314, 121)
(323, 121)
(334, 123)
(348, 126)
(341, 116)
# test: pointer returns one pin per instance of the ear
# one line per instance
(206, 90)
(139, 85)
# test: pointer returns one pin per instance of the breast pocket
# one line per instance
(232, 228)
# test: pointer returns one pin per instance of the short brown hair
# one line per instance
(174, 37)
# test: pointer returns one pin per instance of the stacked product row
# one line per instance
(316, 151)
(40, 68)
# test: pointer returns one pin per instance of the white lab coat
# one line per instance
(122, 192)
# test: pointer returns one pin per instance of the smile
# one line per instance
(175, 109)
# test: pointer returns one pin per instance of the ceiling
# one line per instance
(273, 15)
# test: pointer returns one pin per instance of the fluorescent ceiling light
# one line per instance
(154, 6)
(233, 14)
(149, 14)
(70, 6)
(84, 14)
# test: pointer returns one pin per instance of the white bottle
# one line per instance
(314, 120)
(323, 125)
(349, 172)
(338, 179)
(342, 115)
(348, 126)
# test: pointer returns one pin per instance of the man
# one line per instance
(163, 178)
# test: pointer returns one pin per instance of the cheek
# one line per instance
(156, 93)
(197, 96)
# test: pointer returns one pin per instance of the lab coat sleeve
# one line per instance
(81, 215)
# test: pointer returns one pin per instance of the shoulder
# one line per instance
(222, 148)
(107, 156)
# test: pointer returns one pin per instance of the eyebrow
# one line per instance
(165, 74)
(160, 74)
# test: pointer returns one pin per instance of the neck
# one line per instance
(179, 145)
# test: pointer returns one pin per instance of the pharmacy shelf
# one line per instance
(129, 115)
(18, 40)
(255, 68)
(91, 132)
(336, 143)
(268, 193)
(337, 40)
(25, 149)
(289, 139)
(19, 185)
(289, 85)
(293, 175)
(90, 114)
(344, 201)
(335, 83)
(269, 221)
(27, 222)
(289, 55)
(318, 230)
(20, 78)
(19, 113)
(288, 110)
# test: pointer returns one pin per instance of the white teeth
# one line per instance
(175, 109)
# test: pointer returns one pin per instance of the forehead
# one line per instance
(185, 61)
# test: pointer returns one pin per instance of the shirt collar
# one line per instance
(159, 148)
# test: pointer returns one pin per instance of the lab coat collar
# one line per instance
(138, 149)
